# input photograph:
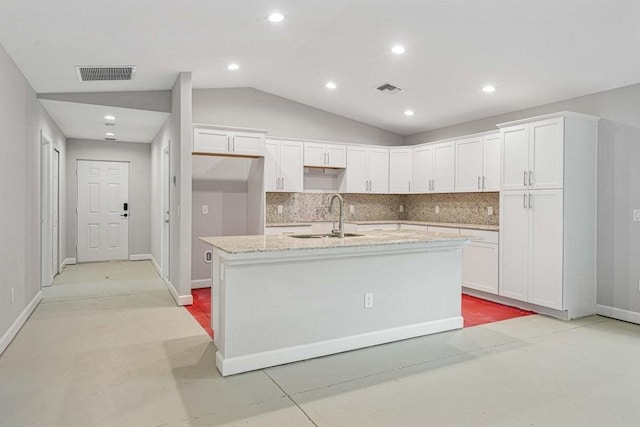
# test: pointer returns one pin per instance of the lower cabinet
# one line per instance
(480, 267)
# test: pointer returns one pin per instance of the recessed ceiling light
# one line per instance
(276, 17)
(408, 112)
(330, 85)
(233, 67)
(109, 117)
(398, 49)
(489, 89)
(109, 134)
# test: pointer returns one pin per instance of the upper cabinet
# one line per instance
(433, 168)
(400, 162)
(367, 169)
(208, 139)
(533, 155)
(283, 169)
(478, 163)
(322, 155)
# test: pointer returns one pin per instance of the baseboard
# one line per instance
(199, 284)
(69, 261)
(19, 322)
(558, 314)
(618, 313)
(156, 266)
(140, 257)
(251, 362)
(179, 299)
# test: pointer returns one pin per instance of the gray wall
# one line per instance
(138, 156)
(22, 118)
(247, 107)
(618, 183)
(151, 100)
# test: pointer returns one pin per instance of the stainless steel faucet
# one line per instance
(340, 229)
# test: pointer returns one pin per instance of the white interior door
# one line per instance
(103, 221)
(166, 185)
(55, 258)
(46, 217)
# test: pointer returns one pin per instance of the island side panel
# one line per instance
(285, 306)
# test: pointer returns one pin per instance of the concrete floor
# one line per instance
(127, 356)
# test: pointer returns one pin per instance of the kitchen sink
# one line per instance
(322, 236)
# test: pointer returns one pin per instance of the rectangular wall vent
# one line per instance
(105, 73)
(110, 139)
(388, 88)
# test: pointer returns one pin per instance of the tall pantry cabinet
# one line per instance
(548, 213)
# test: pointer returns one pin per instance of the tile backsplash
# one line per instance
(467, 208)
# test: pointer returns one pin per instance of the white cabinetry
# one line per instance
(283, 169)
(548, 212)
(367, 169)
(209, 139)
(433, 168)
(322, 155)
(400, 160)
(480, 261)
(477, 163)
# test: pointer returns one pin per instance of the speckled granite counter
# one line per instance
(280, 243)
(392, 221)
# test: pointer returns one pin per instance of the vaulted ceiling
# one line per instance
(534, 52)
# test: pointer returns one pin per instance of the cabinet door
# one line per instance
(491, 162)
(271, 160)
(514, 244)
(357, 173)
(336, 155)
(400, 170)
(545, 248)
(314, 154)
(247, 143)
(514, 157)
(480, 267)
(210, 141)
(468, 165)
(444, 167)
(422, 169)
(291, 166)
(378, 165)
(546, 153)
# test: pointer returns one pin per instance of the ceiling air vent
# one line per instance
(388, 88)
(105, 73)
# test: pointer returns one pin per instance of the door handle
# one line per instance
(125, 215)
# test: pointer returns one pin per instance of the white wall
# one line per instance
(247, 107)
(618, 184)
(22, 118)
(139, 158)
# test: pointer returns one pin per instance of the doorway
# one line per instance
(166, 185)
(46, 216)
(55, 267)
(103, 210)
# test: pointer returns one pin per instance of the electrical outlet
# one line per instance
(401, 208)
(437, 209)
(205, 209)
(352, 208)
(207, 257)
(490, 210)
(13, 295)
(280, 209)
(368, 300)
(636, 214)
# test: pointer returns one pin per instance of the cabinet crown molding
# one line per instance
(227, 128)
(570, 114)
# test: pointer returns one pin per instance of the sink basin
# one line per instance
(322, 236)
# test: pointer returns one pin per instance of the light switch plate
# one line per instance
(280, 208)
(352, 208)
(636, 214)
(205, 209)
(490, 210)
(401, 208)
(437, 209)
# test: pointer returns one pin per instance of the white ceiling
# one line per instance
(535, 52)
(86, 121)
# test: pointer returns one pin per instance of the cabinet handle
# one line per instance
(229, 143)
(524, 178)
(328, 158)
(282, 183)
(409, 186)
(524, 201)
(483, 187)
(530, 173)
(530, 205)
(478, 183)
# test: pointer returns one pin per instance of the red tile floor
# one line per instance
(475, 311)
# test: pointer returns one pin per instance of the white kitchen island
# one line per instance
(278, 299)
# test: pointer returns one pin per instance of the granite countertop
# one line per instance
(396, 221)
(280, 243)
